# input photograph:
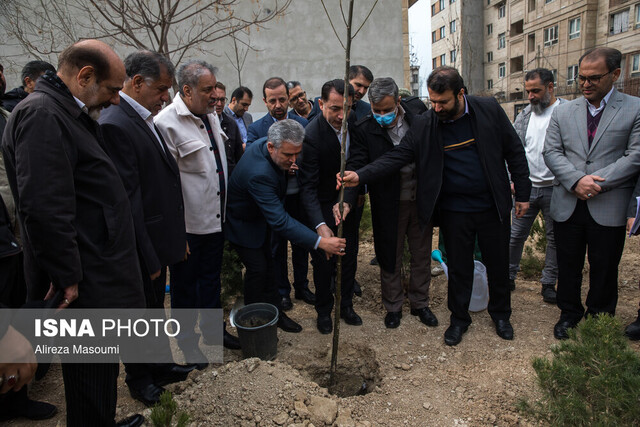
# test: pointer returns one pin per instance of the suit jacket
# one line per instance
(233, 145)
(247, 118)
(260, 128)
(257, 190)
(152, 180)
(369, 142)
(497, 142)
(614, 155)
(71, 203)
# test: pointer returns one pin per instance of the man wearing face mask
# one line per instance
(394, 211)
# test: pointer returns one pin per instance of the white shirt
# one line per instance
(144, 114)
(539, 173)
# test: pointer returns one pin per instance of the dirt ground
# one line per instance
(414, 379)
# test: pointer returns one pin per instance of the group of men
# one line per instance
(112, 189)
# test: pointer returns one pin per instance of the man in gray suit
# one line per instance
(592, 148)
(238, 110)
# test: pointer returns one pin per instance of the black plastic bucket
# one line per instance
(257, 326)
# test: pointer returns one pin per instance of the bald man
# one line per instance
(79, 237)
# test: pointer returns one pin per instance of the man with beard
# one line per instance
(531, 126)
(276, 98)
(238, 110)
(460, 147)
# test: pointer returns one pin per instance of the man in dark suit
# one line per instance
(276, 99)
(318, 168)
(394, 211)
(238, 110)
(152, 180)
(233, 144)
(255, 209)
(74, 209)
(460, 148)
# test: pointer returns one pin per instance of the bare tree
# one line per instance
(241, 49)
(174, 28)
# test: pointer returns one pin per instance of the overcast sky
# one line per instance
(420, 38)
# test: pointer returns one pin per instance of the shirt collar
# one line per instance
(143, 112)
(82, 105)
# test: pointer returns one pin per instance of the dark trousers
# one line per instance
(195, 283)
(259, 282)
(324, 270)
(460, 230)
(299, 255)
(604, 245)
(91, 393)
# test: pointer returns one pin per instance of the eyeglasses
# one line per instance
(594, 80)
(298, 96)
(223, 100)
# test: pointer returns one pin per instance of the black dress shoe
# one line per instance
(286, 303)
(453, 334)
(306, 295)
(132, 421)
(33, 410)
(324, 324)
(287, 324)
(149, 394)
(229, 341)
(560, 330)
(172, 373)
(392, 319)
(426, 316)
(633, 330)
(374, 261)
(357, 290)
(350, 317)
(504, 329)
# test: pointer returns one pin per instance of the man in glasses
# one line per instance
(302, 106)
(233, 145)
(592, 148)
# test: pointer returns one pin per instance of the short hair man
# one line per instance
(460, 147)
(531, 126)
(394, 211)
(30, 74)
(592, 147)
(238, 107)
(233, 144)
(318, 168)
(152, 180)
(255, 211)
(276, 99)
(298, 100)
(194, 137)
(65, 233)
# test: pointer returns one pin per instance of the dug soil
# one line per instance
(393, 377)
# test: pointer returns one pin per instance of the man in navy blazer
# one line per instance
(255, 209)
(276, 98)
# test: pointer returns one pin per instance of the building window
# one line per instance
(548, 1)
(555, 76)
(433, 10)
(502, 41)
(443, 59)
(434, 37)
(452, 26)
(441, 4)
(619, 22)
(442, 32)
(572, 74)
(635, 64)
(490, 84)
(434, 63)
(489, 56)
(574, 28)
(452, 1)
(489, 29)
(502, 70)
(502, 11)
(532, 42)
(452, 56)
(532, 5)
(638, 16)
(551, 35)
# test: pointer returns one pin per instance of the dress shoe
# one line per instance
(374, 261)
(229, 341)
(548, 293)
(172, 373)
(287, 324)
(633, 330)
(453, 334)
(324, 324)
(560, 330)
(286, 303)
(504, 329)
(426, 316)
(392, 319)
(306, 295)
(350, 317)
(148, 394)
(132, 421)
(357, 290)
(33, 410)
